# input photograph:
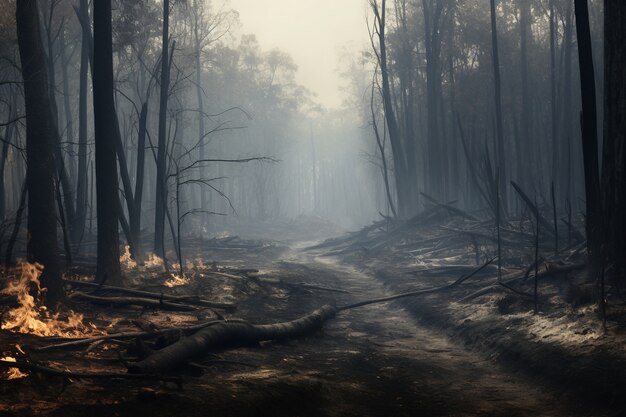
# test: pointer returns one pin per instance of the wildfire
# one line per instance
(176, 281)
(33, 318)
(126, 260)
(12, 373)
(153, 261)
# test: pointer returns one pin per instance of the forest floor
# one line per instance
(428, 356)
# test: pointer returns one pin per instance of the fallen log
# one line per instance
(134, 301)
(86, 341)
(229, 333)
(25, 366)
(154, 295)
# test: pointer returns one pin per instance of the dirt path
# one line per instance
(371, 361)
(411, 370)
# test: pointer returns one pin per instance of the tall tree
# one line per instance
(614, 151)
(81, 180)
(161, 187)
(42, 244)
(495, 54)
(397, 149)
(107, 198)
(589, 124)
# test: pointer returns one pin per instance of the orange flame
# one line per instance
(154, 261)
(31, 317)
(176, 281)
(12, 373)
(126, 260)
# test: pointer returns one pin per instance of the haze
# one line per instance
(314, 33)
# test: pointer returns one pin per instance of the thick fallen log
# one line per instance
(225, 334)
(154, 295)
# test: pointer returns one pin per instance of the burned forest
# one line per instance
(312, 208)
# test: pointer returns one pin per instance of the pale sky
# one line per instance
(314, 32)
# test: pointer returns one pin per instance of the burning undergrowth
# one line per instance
(30, 316)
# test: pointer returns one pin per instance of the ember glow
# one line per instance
(12, 373)
(154, 261)
(176, 281)
(126, 260)
(31, 316)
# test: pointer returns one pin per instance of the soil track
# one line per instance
(371, 361)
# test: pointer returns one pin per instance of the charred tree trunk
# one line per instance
(589, 132)
(81, 179)
(135, 215)
(8, 137)
(501, 164)
(108, 267)
(531, 163)
(432, 44)
(161, 189)
(42, 244)
(200, 95)
(397, 149)
(614, 151)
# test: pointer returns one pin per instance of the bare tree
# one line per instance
(40, 147)
(108, 267)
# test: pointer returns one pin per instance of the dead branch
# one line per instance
(136, 301)
(25, 366)
(158, 296)
(133, 335)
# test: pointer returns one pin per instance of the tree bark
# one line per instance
(501, 162)
(614, 151)
(397, 149)
(589, 131)
(42, 244)
(108, 265)
(81, 180)
(161, 185)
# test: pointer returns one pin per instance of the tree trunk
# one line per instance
(400, 169)
(501, 164)
(527, 133)
(108, 266)
(614, 151)
(161, 184)
(81, 179)
(8, 137)
(42, 244)
(589, 131)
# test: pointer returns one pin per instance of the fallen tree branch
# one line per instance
(157, 296)
(418, 292)
(450, 208)
(136, 301)
(25, 366)
(132, 335)
(544, 223)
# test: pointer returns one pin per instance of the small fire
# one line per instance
(126, 260)
(176, 281)
(31, 317)
(12, 373)
(154, 261)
